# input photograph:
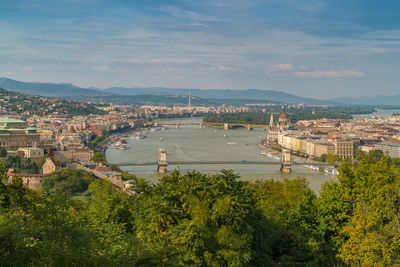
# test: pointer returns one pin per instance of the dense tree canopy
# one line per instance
(99, 158)
(295, 114)
(68, 181)
(195, 219)
(360, 213)
(21, 164)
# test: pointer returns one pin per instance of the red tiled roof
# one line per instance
(101, 169)
(82, 149)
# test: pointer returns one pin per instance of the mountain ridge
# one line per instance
(68, 90)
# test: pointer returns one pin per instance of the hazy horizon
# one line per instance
(310, 48)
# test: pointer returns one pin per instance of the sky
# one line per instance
(320, 49)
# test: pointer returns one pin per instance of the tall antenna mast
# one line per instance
(189, 97)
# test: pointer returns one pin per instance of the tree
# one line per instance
(97, 140)
(196, 219)
(35, 168)
(99, 158)
(360, 213)
(3, 152)
(68, 181)
(115, 168)
(291, 214)
(55, 230)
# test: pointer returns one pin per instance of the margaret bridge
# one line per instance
(225, 126)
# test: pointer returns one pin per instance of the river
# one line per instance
(189, 143)
(382, 113)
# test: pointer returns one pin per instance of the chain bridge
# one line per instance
(221, 162)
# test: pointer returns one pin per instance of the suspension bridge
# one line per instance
(220, 162)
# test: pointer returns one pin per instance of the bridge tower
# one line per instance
(286, 165)
(162, 161)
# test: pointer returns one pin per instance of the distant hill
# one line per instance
(249, 94)
(131, 95)
(47, 89)
(393, 100)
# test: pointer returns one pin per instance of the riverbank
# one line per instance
(104, 144)
(190, 143)
(304, 163)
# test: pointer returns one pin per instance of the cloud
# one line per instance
(226, 68)
(282, 67)
(27, 68)
(188, 14)
(100, 68)
(329, 74)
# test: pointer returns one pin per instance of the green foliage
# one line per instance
(68, 181)
(276, 148)
(19, 164)
(243, 118)
(115, 168)
(34, 105)
(291, 212)
(296, 114)
(97, 140)
(195, 219)
(360, 213)
(127, 176)
(99, 158)
(54, 230)
(3, 152)
(328, 158)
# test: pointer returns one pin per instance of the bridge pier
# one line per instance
(177, 126)
(226, 126)
(162, 161)
(249, 127)
(155, 124)
(286, 165)
(201, 125)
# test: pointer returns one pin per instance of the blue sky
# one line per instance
(318, 49)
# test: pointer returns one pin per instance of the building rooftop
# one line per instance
(10, 120)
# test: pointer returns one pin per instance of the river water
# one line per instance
(382, 113)
(189, 143)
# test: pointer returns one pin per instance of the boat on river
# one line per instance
(269, 154)
(332, 171)
(310, 167)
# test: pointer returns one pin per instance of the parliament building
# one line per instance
(282, 125)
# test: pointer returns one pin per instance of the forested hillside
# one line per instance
(21, 104)
(194, 219)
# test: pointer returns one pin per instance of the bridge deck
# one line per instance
(155, 163)
(210, 124)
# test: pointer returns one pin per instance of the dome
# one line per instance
(284, 116)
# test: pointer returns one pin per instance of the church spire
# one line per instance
(271, 120)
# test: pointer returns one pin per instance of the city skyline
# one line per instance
(318, 49)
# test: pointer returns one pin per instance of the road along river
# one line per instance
(189, 143)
